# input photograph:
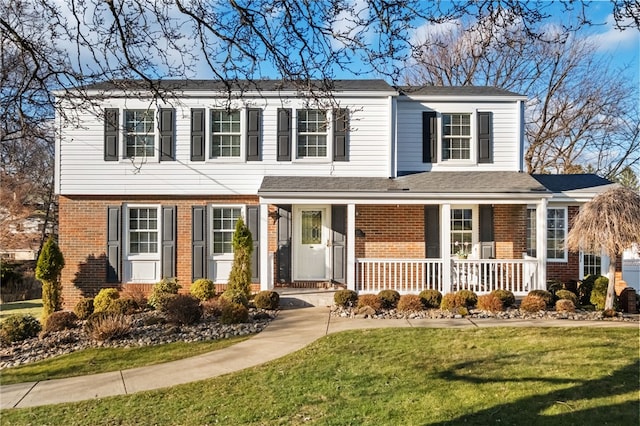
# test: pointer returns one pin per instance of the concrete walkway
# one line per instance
(290, 331)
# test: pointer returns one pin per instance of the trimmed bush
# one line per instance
(565, 305)
(451, 302)
(345, 298)
(533, 303)
(19, 327)
(234, 313)
(240, 275)
(267, 299)
(410, 303)
(235, 296)
(585, 288)
(567, 295)
(183, 309)
(507, 297)
(599, 292)
(60, 320)
(123, 305)
(84, 308)
(203, 289)
(431, 299)
(490, 302)
(370, 300)
(103, 299)
(553, 286)
(468, 297)
(160, 291)
(389, 299)
(48, 267)
(102, 326)
(545, 295)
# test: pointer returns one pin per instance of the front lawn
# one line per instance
(26, 307)
(532, 376)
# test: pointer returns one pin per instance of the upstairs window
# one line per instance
(139, 132)
(312, 133)
(456, 136)
(143, 230)
(225, 134)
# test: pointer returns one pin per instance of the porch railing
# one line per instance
(478, 275)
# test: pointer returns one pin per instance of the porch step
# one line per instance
(291, 298)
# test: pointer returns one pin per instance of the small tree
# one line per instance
(240, 275)
(48, 268)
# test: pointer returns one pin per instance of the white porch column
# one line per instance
(266, 279)
(541, 243)
(351, 246)
(445, 247)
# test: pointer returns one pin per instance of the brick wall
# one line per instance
(82, 239)
(390, 231)
(510, 230)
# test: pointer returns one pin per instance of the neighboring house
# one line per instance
(373, 188)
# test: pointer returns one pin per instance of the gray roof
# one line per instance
(455, 91)
(560, 183)
(419, 183)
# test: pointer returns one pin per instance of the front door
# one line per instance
(311, 243)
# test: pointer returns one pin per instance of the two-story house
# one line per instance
(372, 187)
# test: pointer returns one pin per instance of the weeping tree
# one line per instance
(240, 275)
(609, 223)
(48, 269)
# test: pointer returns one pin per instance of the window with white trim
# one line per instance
(531, 232)
(456, 136)
(461, 231)
(591, 264)
(225, 134)
(223, 226)
(312, 133)
(143, 230)
(556, 233)
(139, 132)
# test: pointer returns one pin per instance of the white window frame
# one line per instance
(127, 232)
(472, 138)
(212, 207)
(474, 249)
(209, 137)
(532, 236)
(564, 230)
(155, 131)
(328, 134)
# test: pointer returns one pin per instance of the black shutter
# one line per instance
(114, 250)
(168, 242)
(340, 134)
(284, 244)
(487, 243)
(254, 145)
(284, 134)
(253, 223)
(198, 242)
(167, 132)
(339, 247)
(197, 134)
(432, 231)
(485, 138)
(429, 137)
(111, 132)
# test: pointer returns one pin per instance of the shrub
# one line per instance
(410, 303)
(103, 326)
(544, 295)
(533, 303)
(599, 292)
(161, 289)
(490, 302)
(123, 305)
(84, 308)
(565, 305)
(203, 289)
(136, 294)
(567, 295)
(235, 296)
(234, 313)
(451, 302)
(50, 264)
(431, 299)
(267, 299)
(371, 300)
(345, 298)
(389, 299)
(553, 286)
(104, 298)
(507, 298)
(213, 307)
(183, 309)
(468, 297)
(240, 275)
(60, 320)
(585, 288)
(19, 327)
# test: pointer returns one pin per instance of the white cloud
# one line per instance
(616, 40)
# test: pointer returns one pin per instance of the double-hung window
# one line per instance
(139, 131)
(531, 232)
(225, 134)
(556, 233)
(456, 136)
(143, 230)
(312, 133)
(223, 226)
(461, 231)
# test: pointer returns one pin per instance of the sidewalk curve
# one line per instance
(290, 331)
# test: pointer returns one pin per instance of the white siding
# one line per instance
(82, 169)
(506, 135)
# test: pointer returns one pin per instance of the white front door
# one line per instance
(311, 243)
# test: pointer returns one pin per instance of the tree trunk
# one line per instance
(608, 304)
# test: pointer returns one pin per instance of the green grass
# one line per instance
(29, 307)
(532, 376)
(102, 360)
